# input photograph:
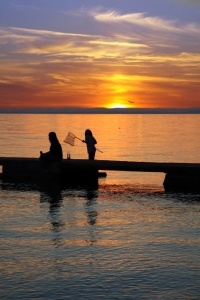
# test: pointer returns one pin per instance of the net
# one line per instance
(70, 139)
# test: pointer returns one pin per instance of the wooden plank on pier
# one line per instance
(107, 165)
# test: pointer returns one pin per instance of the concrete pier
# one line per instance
(179, 176)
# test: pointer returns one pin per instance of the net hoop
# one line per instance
(70, 138)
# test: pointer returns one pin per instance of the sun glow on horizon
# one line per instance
(116, 105)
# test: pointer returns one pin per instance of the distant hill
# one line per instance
(100, 110)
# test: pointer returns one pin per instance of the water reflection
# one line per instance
(53, 195)
(90, 206)
(105, 243)
(62, 219)
(188, 198)
(91, 212)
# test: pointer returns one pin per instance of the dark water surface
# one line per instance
(127, 239)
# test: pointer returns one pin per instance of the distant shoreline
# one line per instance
(102, 111)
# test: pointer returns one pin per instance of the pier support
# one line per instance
(182, 182)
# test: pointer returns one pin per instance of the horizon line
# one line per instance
(99, 110)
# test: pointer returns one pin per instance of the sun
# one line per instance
(115, 105)
(118, 106)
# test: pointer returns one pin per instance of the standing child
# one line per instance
(90, 141)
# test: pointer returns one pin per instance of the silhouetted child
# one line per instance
(54, 154)
(90, 141)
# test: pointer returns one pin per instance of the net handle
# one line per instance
(75, 136)
(99, 150)
(78, 138)
(82, 140)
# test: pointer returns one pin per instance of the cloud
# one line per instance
(136, 19)
(131, 55)
(117, 49)
(148, 22)
(130, 34)
(59, 44)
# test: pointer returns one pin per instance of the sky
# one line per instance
(99, 54)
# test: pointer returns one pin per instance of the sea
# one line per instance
(125, 239)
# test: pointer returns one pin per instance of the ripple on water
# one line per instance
(117, 242)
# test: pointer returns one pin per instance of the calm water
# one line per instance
(126, 240)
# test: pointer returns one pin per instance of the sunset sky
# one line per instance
(100, 53)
